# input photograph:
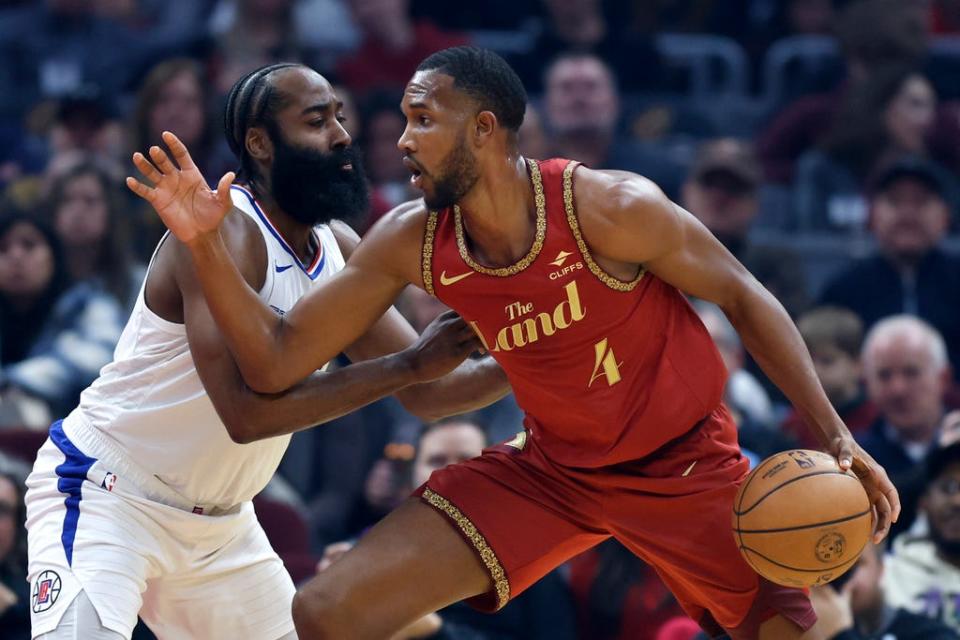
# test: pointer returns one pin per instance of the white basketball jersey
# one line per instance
(150, 404)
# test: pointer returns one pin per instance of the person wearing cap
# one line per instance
(923, 572)
(910, 272)
(722, 191)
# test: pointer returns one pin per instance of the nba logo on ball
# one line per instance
(45, 591)
(799, 520)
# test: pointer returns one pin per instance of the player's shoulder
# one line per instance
(617, 196)
(617, 189)
(407, 220)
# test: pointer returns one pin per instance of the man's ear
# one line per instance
(485, 126)
(259, 145)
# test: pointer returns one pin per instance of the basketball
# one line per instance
(799, 521)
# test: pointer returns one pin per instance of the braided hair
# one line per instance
(252, 101)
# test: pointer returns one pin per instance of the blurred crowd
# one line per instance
(819, 140)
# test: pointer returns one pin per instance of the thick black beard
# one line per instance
(312, 187)
(457, 180)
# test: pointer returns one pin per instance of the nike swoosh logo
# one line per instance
(281, 269)
(445, 281)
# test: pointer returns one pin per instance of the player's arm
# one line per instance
(626, 219)
(322, 396)
(272, 352)
(472, 385)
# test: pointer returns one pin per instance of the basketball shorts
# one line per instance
(107, 528)
(525, 515)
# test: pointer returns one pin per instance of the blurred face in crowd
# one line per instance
(864, 582)
(26, 262)
(723, 202)
(941, 502)
(908, 218)
(383, 129)
(82, 214)
(906, 383)
(581, 97)
(179, 108)
(9, 504)
(445, 445)
(838, 372)
(909, 116)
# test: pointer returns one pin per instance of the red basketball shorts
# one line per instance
(525, 515)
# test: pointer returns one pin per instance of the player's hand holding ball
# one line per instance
(800, 520)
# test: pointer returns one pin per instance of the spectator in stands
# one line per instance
(87, 213)
(250, 34)
(53, 340)
(721, 190)
(392, 45)
(854, 607)
(906, 370)
(582, 107)
(617, 596)
(888, 116)
(873, 34)
(583, 27)
(543, 612)
(834, 337)
(175, 97)
(14, 590)
(383, 124)
(923, 572)
(910, 272)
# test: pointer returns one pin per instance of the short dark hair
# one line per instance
(251, 102)
(487, 78)
(832, 327)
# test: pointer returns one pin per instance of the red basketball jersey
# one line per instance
(605, 370)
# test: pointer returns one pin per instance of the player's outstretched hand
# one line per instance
(444, 344)
(883, 495)
(180, 195)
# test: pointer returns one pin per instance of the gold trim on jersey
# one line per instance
(427, 252)
(487, 555)
(541, 231)
(603, 276)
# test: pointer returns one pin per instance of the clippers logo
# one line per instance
(109, 481)
(46, 590)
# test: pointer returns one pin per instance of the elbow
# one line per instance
(241, 422)
(267, 381)
(416, 404)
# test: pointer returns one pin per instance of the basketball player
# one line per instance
(140, 499)
(573, 280)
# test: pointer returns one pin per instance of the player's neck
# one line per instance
(499, 214)
(297, 234)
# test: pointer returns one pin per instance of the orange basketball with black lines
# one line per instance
(799, 520)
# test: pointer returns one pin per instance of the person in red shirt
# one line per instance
(572, 279)
(392, 46)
